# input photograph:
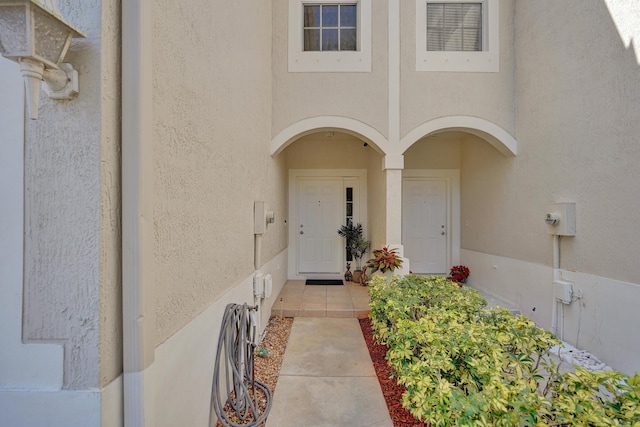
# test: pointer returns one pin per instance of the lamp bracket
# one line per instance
(61, 84)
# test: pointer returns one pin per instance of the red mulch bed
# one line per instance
(390, 389)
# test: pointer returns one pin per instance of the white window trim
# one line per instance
(334, 61)
(486, 61)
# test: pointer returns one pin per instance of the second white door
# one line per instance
(424, 224)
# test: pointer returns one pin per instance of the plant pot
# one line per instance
(356, 276)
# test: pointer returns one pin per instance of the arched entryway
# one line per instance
(331, 163)
(337, 156)
(432, 200)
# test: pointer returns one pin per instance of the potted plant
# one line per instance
(384, 260)
(459, 274)
(356, 245)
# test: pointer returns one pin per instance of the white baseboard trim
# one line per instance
(604, 322)
(63, 408)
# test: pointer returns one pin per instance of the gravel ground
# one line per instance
(275, 342)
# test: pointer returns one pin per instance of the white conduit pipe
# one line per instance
(138, 300)
(556, 276)
(257, 251)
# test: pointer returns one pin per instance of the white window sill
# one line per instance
(327, 62)
(487, 61)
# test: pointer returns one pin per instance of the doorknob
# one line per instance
(301, 232)
(442, 233)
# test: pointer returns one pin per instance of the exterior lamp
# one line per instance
(34, 34)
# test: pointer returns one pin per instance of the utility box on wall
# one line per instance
(561, 218)
(261, 217)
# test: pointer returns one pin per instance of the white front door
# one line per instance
(424, 224)
(320, 214)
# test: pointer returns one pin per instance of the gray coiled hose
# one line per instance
(235, 349)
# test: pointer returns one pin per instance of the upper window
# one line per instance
(454, 27)
(330, 36)
(330, 27)
(457, 35)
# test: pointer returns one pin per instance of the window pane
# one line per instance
(311, 40)
(452, 39)
(349, 209)
(348, 15)
(471, 40)
(348, 39)
(329, 39)
(312, 16)
(435, 14)
(454, 26)
(452, 16)
(472, 16)
(349, 194)
(435, 39)
(329, 16)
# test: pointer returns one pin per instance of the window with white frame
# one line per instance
(331, 36)
(457, 35)
(454, 27)
(330, 27)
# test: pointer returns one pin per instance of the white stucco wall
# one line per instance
(61, 330)
(212, 121)
(577, 122)
(71, 209)
(580, 111)
(439, 152)
(577, 125)
(429, 95)
(182, 395)
(358, 95)
(315, 151)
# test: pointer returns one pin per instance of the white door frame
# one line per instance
(452, 176)
(294, 174)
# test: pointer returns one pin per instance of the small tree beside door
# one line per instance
(355, 244)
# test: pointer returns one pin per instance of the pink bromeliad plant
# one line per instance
(384, 260)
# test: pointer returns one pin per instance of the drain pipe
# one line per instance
(138, 302)
(259, 228)
(257, 251)
(556, 277)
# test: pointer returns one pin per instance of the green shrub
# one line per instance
(465, 365)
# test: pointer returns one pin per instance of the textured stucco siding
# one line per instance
(110, 197)
(439, 152)
(212, 127)
(315, 151)
(577, 127)
(71, 289)
(429, 95)
(357, 95)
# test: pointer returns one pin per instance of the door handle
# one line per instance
(442, 233)
(301, 232)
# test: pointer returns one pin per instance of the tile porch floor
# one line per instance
(299, 300)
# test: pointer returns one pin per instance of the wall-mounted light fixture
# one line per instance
(34, 34)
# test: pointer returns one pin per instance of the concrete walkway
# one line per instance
(327, 378)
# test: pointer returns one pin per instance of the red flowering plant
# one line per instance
(459, 274)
